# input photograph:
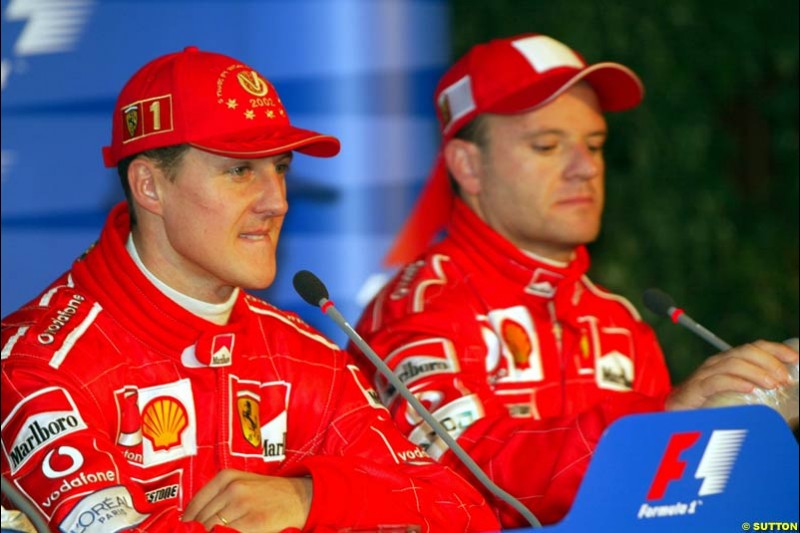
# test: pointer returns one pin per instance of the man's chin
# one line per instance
(258, 283)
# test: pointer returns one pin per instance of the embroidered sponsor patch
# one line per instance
(416, 360)
(61, 472)
(368, 392)
(222, 349)
(105, 511)
(156, 424)
(39, 420)
(614, 368)
(615, 372)
(455, 416)
(68, 309)
(543, 283)
(258, 418)
(146, 117)
(165, 488)
(517, 356)
(129, 433)
(79, 483)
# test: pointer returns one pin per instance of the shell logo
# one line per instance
(163, 421)
(518, 342)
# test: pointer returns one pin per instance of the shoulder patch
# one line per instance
(54, 328)
(36, 422)
(66, 311)
(605, 294)
(416, 278)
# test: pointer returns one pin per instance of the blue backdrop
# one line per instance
(363, 70)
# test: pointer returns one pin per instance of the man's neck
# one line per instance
(218, 313)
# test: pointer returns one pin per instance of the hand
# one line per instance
(252, 502)
(741, 369)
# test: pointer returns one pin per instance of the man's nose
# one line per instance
(272, 194)
(584, 163)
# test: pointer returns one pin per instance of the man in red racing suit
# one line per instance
(497, 328)
(128, 404)
(524, 360)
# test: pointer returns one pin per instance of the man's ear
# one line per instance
(142, 174)
(465, 163)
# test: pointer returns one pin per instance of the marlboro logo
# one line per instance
(222, 349)
(39, 420)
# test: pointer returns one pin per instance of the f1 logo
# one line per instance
(714, 468)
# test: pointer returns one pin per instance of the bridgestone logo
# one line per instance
(36, 434)
(163, 493)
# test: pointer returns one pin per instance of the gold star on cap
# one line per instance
(249, 114)
(270, 114)
(232, 103)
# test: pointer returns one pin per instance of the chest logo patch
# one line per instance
(156, 424)
(248, 418)
(518, 342)
(258, 420)
(163, 421)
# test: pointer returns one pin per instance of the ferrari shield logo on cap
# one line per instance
(444, 109)
(131, 120)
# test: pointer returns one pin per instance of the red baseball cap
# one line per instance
(210, 101)
(504, 76)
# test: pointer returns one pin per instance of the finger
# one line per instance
(198, 508)
(216, 512)
(753, 362)
(733, 365)
(725, 383)
(780, 350)
(220, 518)
(231, 514)
(695, 392)
(769, 356)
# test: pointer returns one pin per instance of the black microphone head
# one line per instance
(658, 301)
(309, 287)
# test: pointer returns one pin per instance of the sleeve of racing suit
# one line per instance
(369, 477)
(541, 462)
(57, 455)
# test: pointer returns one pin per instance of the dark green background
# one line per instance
(702, 178)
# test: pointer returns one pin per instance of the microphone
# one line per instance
(313, 291)
(662, 304)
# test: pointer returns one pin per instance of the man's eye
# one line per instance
(239, 171)
(596, 149)
(545, 148)
(282, 168)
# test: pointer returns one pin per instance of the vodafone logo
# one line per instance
(66, 460)
(714, 469)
